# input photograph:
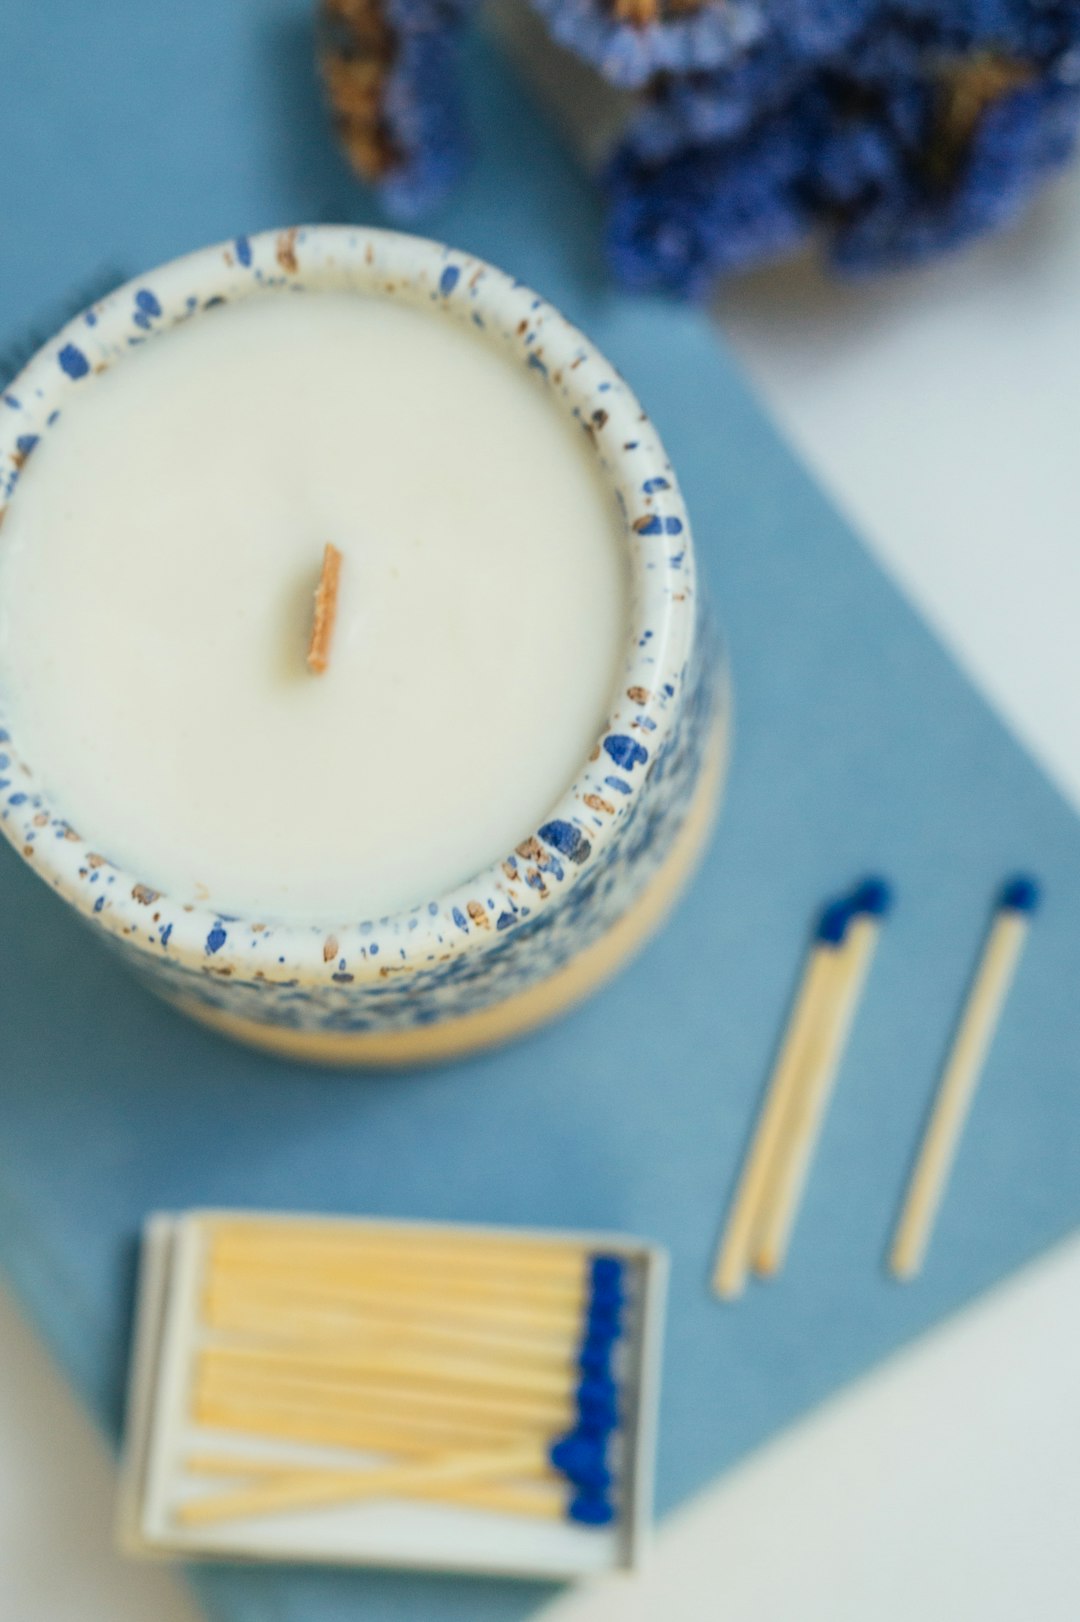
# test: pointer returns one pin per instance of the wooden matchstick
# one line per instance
(442, 1427)
(733, 1258)
(287, 1324)
(386, 1392)
(311, 1282)
(543, 1499)
(334, 1266)
(336, 1259)
(390, 1402)
(960, 1078)
(323, 1244)
(401, 1432)
(273, 1497)
(482, 1374)
(254, 1331)
(348, 1232)
(387, 1273)
(804, 1117)
(326, 596)
(336, 1314)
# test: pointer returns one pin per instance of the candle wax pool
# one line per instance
(157, 568)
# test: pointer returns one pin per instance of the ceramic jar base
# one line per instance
(516, 1015)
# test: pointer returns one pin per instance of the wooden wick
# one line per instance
(326, 596)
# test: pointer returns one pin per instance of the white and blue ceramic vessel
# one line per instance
(548, 920)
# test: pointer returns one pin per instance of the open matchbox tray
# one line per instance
(163, 1435)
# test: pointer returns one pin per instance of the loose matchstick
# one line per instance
(326, 596)
(803, 1119)
(960, 1078)
(733, 1258)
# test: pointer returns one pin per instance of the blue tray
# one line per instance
(133, 136)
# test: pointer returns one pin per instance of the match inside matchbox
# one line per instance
(367, 1392)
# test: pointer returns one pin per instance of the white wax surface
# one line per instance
(156, 575)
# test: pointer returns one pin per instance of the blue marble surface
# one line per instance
(133, 135)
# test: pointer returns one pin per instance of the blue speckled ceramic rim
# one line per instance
(573, 840)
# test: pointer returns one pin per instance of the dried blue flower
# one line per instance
(1023, 136)
(702, 109)
(934, 123)
(708, 211)
(426, 120)
(630, 41)
(892, 129)
(391, 72)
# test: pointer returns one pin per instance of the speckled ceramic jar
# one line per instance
(547, 921)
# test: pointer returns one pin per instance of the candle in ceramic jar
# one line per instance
(156, 586)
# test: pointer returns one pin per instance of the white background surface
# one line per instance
(942, 411)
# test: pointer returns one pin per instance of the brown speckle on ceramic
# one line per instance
(286, 251)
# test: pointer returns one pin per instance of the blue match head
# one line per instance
(597, 1402)
(583, 1460)
(1021, 894)
(602, 1318)
(596, 1391)
(606, 1298)
(873, 897)
(594, 1356)
(834, 921)
(592, 1508)
(605, 1271)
